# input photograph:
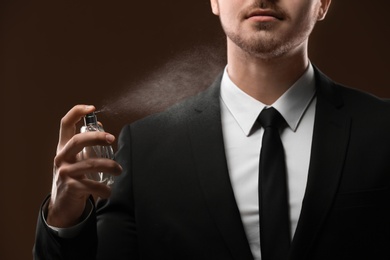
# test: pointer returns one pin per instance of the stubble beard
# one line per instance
(262, 45)
(265, 43)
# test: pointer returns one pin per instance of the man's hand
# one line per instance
(70, 188)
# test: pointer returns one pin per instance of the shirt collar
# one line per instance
(291, 105)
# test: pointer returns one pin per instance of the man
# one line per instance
(190, 185)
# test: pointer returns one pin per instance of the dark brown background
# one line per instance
(55, 54)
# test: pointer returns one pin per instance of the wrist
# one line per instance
(55, 216)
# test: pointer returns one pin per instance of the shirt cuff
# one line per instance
(69, 232)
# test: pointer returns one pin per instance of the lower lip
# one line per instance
(261, 18)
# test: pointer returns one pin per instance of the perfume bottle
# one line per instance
(91, 125)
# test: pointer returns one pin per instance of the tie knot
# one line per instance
(270, 117)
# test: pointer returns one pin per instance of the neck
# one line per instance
(266, 79)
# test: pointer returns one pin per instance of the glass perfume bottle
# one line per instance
(91, 125)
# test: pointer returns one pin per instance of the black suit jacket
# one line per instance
(174, 199)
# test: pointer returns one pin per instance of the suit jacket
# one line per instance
(174, 199)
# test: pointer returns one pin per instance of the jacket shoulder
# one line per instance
(363, 102)
(179, 114)
(354, 100)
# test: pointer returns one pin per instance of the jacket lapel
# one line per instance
(329, 146)
(205, 130)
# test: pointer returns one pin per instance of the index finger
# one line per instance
(69, 121)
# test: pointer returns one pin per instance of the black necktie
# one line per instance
(273, 196)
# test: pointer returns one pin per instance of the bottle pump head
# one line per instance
(90, 119)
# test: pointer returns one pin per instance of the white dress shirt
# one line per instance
(242, 139)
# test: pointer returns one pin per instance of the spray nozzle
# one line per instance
(90, 119)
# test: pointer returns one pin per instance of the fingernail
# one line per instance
(110, 138)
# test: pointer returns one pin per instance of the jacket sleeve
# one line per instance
(48, 245)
